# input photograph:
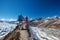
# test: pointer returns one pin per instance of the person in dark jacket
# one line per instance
(20, 19)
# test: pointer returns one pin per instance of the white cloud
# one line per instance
(2, 19)
(11, 19)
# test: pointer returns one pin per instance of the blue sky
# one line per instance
(30, 8)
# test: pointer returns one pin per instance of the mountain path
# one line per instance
(24, 35)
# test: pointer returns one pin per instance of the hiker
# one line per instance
(26, 20)
(20, 19)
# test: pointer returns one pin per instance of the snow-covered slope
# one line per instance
(5, 28)
(44, 33)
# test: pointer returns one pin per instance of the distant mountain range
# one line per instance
(34, 22)
(46, 22)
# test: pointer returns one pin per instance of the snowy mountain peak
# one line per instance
(56, 17)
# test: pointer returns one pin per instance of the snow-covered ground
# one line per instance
(5, 28)
(45, 33)
(37, 33)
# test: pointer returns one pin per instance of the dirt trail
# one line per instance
(24, 35)
(18, 34)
